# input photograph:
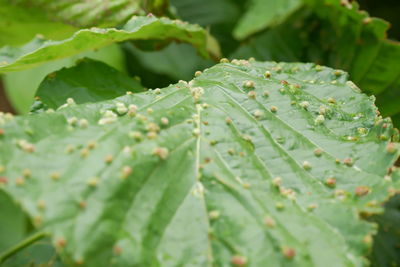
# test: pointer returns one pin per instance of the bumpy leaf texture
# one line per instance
(39, 51)
(363, 50)
(251, 163)
(337, 34)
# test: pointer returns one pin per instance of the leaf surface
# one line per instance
(190, 174)
(339, 35)
(360, 46)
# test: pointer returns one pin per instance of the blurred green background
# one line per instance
(385, 9)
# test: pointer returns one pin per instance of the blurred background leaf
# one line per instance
(21, 86)
(386, 250)
(261, 14)
(386, 246)
(83, 14)
(78, 83)
(39, 254)
(19, 25)
(174, 62)
(13, 223)
(386, 9)
(220, 17)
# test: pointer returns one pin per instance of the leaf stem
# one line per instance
(21, 245)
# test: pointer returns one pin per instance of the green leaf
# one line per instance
(39, 51)
(19, 25)
(262, 14)
(336, 34)
(207, 12)
(40, 253)
(396, 119)
(360, 46)
(218, 16)
(21, 86)
(91, 13)
(13, 222)
(386, 249)
(280, 43)
(189, 175)
(88, 81)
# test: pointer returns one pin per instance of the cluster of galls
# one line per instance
(111, 116)
(292, 88)
(359, 191)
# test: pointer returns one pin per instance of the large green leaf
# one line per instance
(259, 163)
(91, 13)
(262, 14)
(337, 34)
(79, 83)
(39, 51)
